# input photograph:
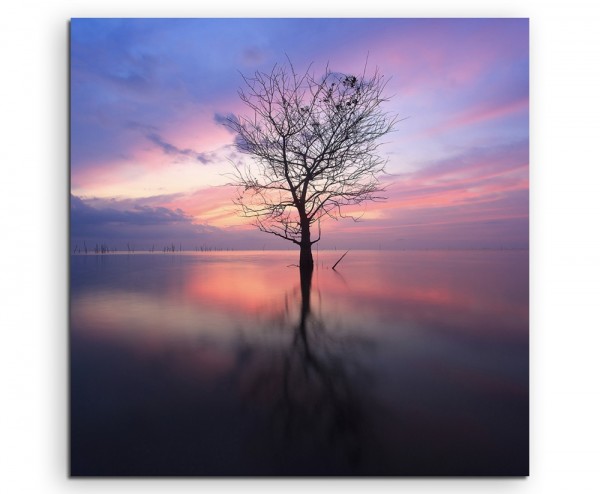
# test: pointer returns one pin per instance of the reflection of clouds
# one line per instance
(372, 369)
(120, 313)
(432, 302)
(436, 288)
(295, 361)
(243, 288)
(210, 293)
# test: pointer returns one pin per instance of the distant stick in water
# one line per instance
(338, 261)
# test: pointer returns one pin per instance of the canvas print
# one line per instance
(299, 247)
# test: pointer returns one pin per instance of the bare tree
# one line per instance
(314, 143)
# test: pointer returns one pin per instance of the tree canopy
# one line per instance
(314, 143)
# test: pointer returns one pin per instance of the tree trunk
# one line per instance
(306, 259)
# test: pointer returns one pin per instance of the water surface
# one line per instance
(398, 363)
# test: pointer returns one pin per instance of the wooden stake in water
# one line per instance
(338, 261)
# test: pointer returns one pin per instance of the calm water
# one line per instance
(399, 363)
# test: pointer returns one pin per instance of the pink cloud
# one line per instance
(479, 114)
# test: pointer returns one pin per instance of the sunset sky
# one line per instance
(149, 152)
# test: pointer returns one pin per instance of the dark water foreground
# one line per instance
(399, 363)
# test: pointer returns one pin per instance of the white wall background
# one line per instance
(565, 241)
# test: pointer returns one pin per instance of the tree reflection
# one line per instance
(309, 379)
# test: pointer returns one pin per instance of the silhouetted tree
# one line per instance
(314, 143)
